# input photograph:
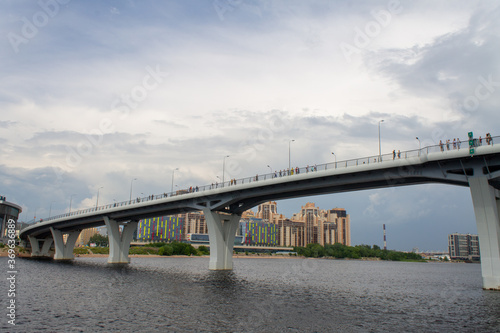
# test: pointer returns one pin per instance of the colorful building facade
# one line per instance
(161, 229)
(256, 232)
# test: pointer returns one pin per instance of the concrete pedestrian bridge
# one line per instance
(223, 203)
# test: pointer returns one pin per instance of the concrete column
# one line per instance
(119, 243)
(35, 246)
(487, 211)
(64, 251)
(222, 232)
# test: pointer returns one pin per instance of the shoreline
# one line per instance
(236, 256)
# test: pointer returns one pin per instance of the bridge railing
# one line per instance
(395, 155)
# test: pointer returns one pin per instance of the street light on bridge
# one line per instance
(419, 145)
(70, 201)
(97, 201)
(172, 189)
(223, 168)
(50, 208)
(379, 142)
(131, 188)
(289, 155)
(335, 159)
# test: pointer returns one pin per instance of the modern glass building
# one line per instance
(8, 211)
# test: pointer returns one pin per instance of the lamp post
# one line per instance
(271, 169)
(70, 201)
(379, 143)
(223, 168)
(131, 188)
(97, 201)
(289, 155)
(419, 145)
(172, 189)
(335, 159)
(50, 208)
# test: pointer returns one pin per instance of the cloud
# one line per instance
(460, 67)
(7, 123)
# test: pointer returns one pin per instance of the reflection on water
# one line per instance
(259, 295)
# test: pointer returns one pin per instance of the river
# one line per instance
(259, 295)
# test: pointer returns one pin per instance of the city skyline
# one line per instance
(102, 102)
(310, 225)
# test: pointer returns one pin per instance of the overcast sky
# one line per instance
(96, 93)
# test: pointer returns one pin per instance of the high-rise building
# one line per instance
(291, 233)
(463, 246)
(267, 211)
(343, 222)
(194, 223)
(309, 215)
(310, 225)
(85, 236)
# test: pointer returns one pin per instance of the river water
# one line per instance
(259, 295)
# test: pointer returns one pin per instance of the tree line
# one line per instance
(338, 250)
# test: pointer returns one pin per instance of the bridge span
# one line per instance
(223, 203)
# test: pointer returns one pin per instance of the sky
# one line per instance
(95, 94)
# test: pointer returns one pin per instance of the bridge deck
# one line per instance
(430, 164)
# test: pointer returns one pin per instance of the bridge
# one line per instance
(223, 203)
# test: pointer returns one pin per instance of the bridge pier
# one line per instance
(487, 211)
(64, 251)
(222, 232)
(35, 246)
(119, 243)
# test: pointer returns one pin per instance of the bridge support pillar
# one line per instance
(487, 211)
(222, 232)
(35, 246)
(119, 243)
(64, 251)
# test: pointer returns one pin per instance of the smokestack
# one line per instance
(385, 239)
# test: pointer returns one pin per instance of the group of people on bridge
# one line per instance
(456, 143)
(292, 171)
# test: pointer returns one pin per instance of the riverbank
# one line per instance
(4, 253)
